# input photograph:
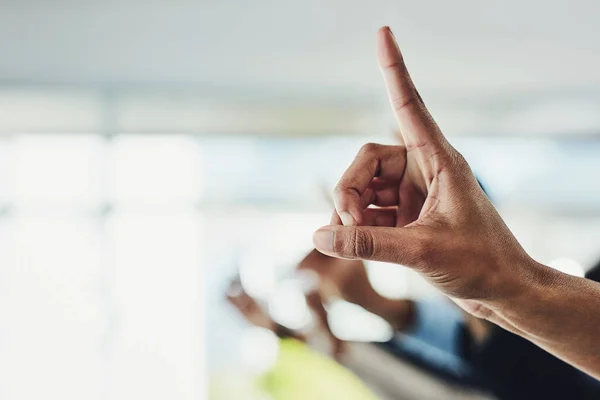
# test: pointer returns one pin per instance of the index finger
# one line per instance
(417, 127)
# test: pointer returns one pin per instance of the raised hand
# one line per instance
(419, 205)
(434, 218)
(348, 280)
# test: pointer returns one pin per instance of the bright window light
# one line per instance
(159, 170)
(156, 292)
(53, 309)
(6, 172)
(58, 171)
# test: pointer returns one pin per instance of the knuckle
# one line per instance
(362, 243)
(343, 192)
(400, 103)
(400, 149)
(339, 246)
(338, 190)
(369, 149)
(394, 65)
(356, 243)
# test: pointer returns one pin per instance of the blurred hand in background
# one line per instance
(335, 279)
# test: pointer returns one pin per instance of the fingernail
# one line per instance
(323, 239)
(347, 219)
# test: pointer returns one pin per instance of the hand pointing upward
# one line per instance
(418, 204)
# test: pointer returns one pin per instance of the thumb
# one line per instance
(404, 246)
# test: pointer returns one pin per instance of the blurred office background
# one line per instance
(149, 149)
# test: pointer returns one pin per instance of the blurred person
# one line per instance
(434, 335)
(419, 205)
(298, 373)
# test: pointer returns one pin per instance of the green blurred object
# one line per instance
(300, 373)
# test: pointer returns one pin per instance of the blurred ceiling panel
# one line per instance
(456, 48)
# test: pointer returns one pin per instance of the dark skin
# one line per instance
(432, 216)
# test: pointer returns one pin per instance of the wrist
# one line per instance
(529, 285)
(514, 280)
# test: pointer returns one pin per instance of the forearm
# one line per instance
(559, 313)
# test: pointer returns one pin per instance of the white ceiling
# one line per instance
(453, 47)
(511, 66)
